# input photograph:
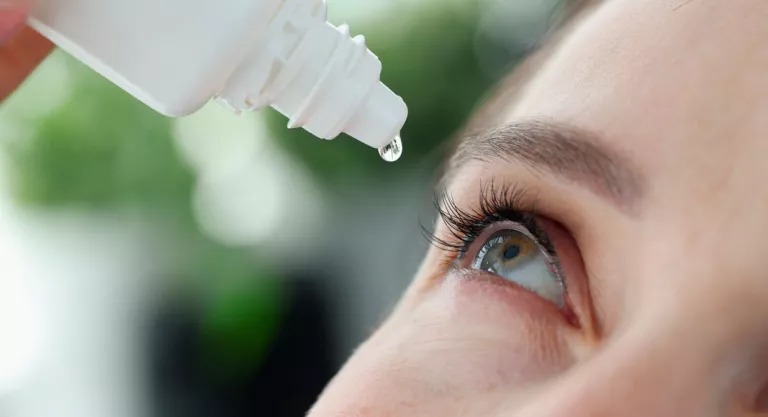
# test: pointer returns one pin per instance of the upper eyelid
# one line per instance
(459, 252)
(499, 226)
(493, 200)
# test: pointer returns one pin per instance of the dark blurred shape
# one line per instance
(297, 364)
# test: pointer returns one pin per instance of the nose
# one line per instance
(677, 375)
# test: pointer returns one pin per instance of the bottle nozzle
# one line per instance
(320, 78)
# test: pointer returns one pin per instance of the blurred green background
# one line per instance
(245, 245)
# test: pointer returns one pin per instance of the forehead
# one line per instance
(665, 81)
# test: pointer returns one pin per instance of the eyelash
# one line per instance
(496, 204)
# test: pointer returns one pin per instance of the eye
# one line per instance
(517, 257)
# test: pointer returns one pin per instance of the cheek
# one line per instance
(450, 352)
(479, 337)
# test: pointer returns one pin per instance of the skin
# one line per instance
(21, 48)
(670, 294)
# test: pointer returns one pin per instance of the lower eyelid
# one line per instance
(515, 297)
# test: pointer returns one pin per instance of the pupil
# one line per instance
(511, 252)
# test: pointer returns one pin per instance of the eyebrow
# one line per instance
(565, 151)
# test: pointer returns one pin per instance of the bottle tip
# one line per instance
(393, 150)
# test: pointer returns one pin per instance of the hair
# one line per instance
(503, 96)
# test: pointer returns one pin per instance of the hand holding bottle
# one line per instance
(21, 48)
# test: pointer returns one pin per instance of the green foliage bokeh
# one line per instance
(106, 152)
(102, 150)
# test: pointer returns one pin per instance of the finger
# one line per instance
(10, 22)
(21, 48)
(13, 13)
(21, 53)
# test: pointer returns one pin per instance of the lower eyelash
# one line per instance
(496, 204)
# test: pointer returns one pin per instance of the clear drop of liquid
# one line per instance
(393, 151)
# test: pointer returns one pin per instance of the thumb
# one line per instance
(21, 48)
(13, 13)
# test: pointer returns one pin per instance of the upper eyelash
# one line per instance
(496, 204)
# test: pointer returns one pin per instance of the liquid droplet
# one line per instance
(393, 151)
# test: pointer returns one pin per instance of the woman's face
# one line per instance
(640, 285)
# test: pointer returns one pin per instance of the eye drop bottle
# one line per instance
(176, 55)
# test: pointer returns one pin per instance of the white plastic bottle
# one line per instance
(176, 55)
